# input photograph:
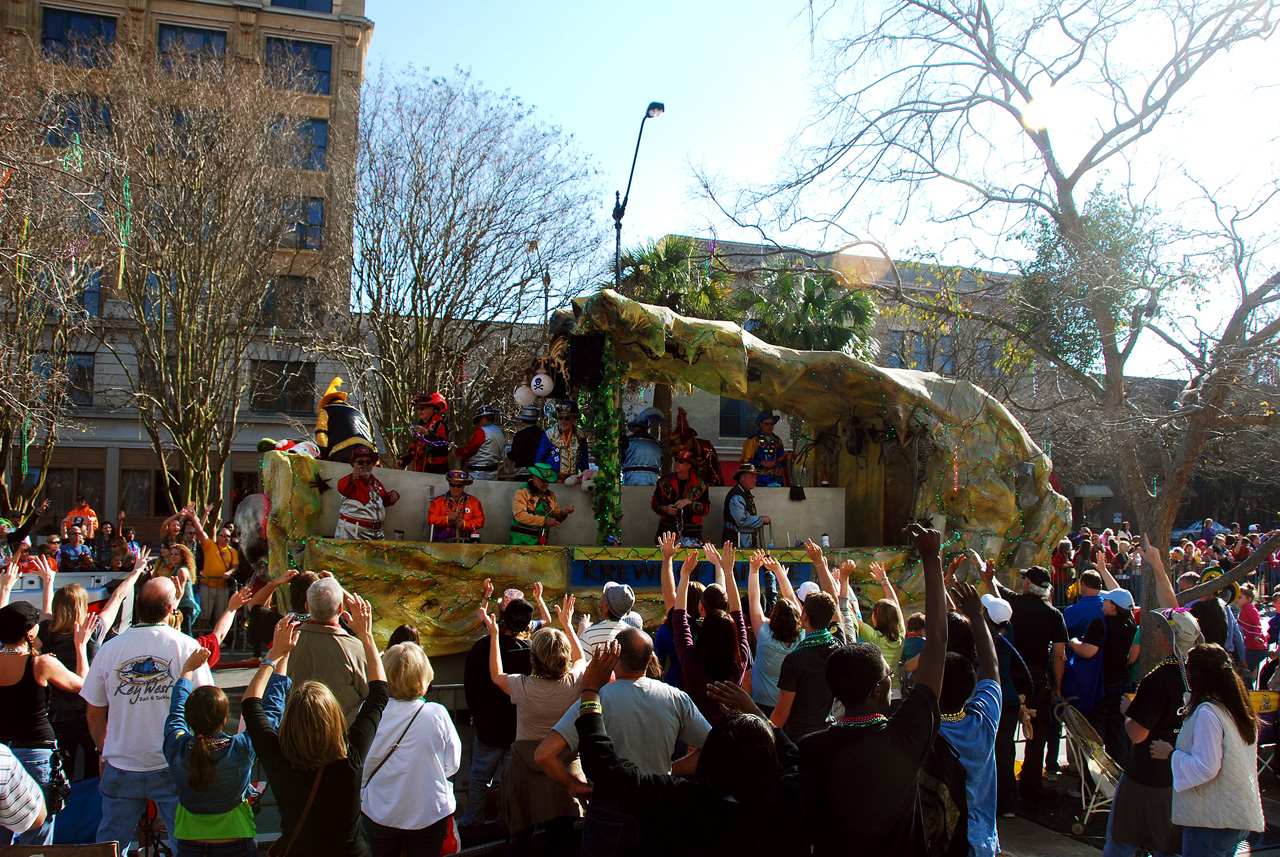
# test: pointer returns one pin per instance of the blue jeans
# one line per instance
(392, 841)
(607, 831)
(37, 764)
(1211, 841)
(486, 763)
(237, 848)
(124, 799)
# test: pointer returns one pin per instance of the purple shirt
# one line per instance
(695, 675)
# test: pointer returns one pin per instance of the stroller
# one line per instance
(1099, 774)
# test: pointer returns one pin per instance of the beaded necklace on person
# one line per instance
(856, 721)
(818, 638)
(954, 718)
(1169, 660)
(23, 649)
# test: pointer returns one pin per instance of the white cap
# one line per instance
(806, 589)
(999, 610)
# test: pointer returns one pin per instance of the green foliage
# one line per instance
(1082, 282)
(808, 311)
(671, 272)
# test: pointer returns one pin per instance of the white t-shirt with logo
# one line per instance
(133, 677)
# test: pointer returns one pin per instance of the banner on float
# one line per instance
(641, 568)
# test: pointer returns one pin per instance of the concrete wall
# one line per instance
(822, 510)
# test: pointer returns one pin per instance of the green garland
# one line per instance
(603, 403)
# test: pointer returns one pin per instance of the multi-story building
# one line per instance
(107, 457)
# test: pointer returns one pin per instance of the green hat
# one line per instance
(542, 471)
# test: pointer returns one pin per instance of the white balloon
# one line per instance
(542, 385)
(524, 396)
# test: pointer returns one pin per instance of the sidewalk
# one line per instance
(1020, 837)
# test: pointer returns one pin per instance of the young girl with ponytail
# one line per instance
(210, 768)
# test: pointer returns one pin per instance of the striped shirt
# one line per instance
(21, 799)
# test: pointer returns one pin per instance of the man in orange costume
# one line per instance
(455, 514)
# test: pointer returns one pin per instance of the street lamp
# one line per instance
(655, 109)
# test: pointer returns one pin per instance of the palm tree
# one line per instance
(807, 311)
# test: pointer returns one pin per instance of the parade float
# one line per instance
(886, 447)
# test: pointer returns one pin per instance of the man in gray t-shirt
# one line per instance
(645, 719)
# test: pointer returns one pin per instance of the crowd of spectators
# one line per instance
(778, 728)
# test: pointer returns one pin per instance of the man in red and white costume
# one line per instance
(364, 499)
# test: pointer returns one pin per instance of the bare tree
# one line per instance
(49, 240)
(197, 173)
(472, 216)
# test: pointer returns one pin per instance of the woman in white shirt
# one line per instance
(1215, 774)
(776, 635)
(406, 798)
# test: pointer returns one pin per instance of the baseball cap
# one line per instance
(16, 620)
(619, 597)
(998, 610)
(1037, 575)
(1119, 597)
(806, 589)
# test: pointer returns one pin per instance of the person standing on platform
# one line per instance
(429, 447)
(534, 510)
(681, 499)
(525, 443)
(742, 525)
(364, 499)
(765, 450)
(83, 517)
(455, 514)
(482, 456)
(564, 447)
(642, 457)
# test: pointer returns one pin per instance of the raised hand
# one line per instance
(46, 569)
(690, 563)
(600, 669)
(285, 636)
(564, 610)
(239, 598)
(848, 567)
(537, 591)
(877, 573)
(927, 540)
(362, 618)
(140, 562)
(84, 630)
(490, 625)
(728, 553)
(970, 602)
(488, 589)
(713, 555)
(758, 559)
(667, 544)
(195, 660)
(814, 551)
(732, 698)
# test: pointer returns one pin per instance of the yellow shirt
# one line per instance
(217, 562)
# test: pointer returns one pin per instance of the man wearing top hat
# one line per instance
(482, 456)
(429, 446)
(742, 525)
(642, 456)
(534, 510)
(455, 514)
(364, 499)
(765, 451)
(524, 444)
(564, 448)
(681, 500)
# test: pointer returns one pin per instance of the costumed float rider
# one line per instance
(534, 509)
(482, 456)
(742, 525)
(765, 450)
(429, 446)
(525, 443)
(364, 498)
(340, 428)
(706, 463)
(455, 514)
(642, 458)
(681, 500)
(564, 448)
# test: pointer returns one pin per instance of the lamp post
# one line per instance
(655, 109)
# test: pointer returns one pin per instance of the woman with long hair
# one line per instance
(777, 634)
(1255, 636)
(210, 768)
(67, 710)
(1215, 762)
(406, 799)
(886, 628)
(1061, 568)
(746, 796)
(313, 746)
(528, 797)
(179, 563)
(721, 651)
(25, 679)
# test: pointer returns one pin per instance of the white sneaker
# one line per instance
(1007, 815)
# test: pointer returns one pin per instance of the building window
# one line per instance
(135, 493)
(75, 117)
(90, 296)
(181, 45)
(282, 386)
(325, 7)
(737, 418)
(313, 138)
(986, 356)
(64, 484)
(304, 224)
(301, 65)
(80, 380)
(76, 38)
(895, 350)
(946, 355)
(291, 303)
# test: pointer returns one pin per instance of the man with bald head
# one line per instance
(645, 718)
(128, 690)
